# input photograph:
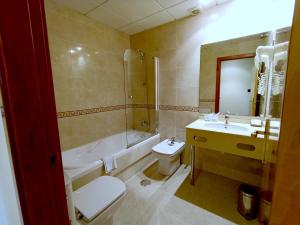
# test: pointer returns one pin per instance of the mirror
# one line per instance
(235, 85)
(234, 80)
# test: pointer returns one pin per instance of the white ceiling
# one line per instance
(133, 16)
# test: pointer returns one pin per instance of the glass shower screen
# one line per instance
(141, 95)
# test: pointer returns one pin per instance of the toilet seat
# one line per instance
(96, 196)
(164, 148)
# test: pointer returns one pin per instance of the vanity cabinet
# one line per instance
(246, 146)
(233, 138)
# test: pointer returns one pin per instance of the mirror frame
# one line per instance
(218, 74)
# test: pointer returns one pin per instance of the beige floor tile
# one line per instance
(216, 194)
(156, 204)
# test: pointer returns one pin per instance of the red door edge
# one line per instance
(28, 99)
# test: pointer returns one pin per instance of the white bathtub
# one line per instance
(82, 160)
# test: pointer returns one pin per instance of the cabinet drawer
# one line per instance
(229, 143)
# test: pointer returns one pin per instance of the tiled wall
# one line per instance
(87, 67)
(177, 44)
(91, 80)
(175, 88)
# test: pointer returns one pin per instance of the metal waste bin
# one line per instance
(248, 201)
(265, 207)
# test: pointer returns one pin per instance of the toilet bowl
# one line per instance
(168, 154)
(96, 202)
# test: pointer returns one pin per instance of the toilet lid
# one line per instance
(91, 199)
(166, 149)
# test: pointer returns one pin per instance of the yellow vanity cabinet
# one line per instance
(232, 138)
(241, 145)
(271, 150)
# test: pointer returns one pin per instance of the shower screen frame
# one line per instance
(141, 95)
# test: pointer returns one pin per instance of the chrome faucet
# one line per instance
(226, 118)
(144, 123)
(172, 140)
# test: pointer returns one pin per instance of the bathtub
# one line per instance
(82, 160)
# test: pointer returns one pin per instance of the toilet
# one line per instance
(96, 202)
(168, 154)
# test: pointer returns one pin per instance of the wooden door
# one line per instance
(28, 99)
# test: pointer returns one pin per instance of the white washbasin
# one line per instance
(229, 127)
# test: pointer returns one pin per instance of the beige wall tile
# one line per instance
(181, 77)
(167, 118)
(167, 96)
(185, 118)
(167, 60)
(167, 78)
(187, 96)
(89, 77)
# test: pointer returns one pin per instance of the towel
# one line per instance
(256, 123)
(274, 124)
(110, 163)
(211, 117)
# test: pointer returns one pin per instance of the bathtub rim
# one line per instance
(77, 173)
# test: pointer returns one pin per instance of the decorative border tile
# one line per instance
(82, 112)
(141, 106)
(180, 108)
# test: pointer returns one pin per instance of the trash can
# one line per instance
(248, 201)
(265, 207)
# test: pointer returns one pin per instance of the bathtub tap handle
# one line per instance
(144, 123)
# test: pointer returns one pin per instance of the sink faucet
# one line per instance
(226, 118)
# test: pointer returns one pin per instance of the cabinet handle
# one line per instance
(246, 147)
(200, 139)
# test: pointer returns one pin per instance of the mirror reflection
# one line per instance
(236, 84)
(248, 72)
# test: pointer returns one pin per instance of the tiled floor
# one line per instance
(156, 204)
(216, 194)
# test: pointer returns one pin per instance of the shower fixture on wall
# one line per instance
(140, 54)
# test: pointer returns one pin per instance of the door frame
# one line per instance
(30, 113)
(218, 74)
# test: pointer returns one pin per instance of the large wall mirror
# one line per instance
(237, 75)
(235, 85)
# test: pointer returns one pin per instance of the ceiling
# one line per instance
(133, 16)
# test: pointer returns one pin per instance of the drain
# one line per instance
(145, 182)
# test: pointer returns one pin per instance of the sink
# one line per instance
(230, 127)
(236, 139)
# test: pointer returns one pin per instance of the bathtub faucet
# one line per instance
(144, 123)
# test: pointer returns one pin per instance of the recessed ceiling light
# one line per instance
(78, 48)
(72, 51)
(195, 11)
